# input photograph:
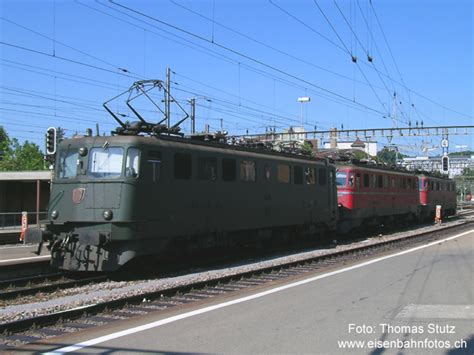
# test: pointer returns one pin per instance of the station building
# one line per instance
(23, 191)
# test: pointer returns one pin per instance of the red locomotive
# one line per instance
(373, 195)
(436, 191)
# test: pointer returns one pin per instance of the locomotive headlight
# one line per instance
(54, 214)
(82, 151)
(107, 214)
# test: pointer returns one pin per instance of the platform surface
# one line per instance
(11, 254)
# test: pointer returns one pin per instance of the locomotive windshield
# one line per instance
(105, 163)
(341, 177)
(67, 164)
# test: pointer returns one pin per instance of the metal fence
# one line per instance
(12, 220)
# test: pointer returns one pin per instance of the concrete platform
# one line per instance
(421, 300)
(21, 254)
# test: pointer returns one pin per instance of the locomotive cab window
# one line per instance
(310, 176)
(154, 165)
(207, 169)
(229, 170)
(322, 176)
(379, 181)
(283, 173)
(366, 180)
(105, 162)
(182, 166)
(298, 175)
(267, 172)
(350, 181)
(247, 170)
(357, 181)
(341, 177)
(132, 162)
(67, 164)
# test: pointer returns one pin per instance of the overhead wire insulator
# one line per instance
(369, 58)
(354, 58)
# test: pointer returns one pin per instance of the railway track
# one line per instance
(16, 288)
(35, 328)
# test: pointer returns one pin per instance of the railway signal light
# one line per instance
(51, 141)
(445, 163)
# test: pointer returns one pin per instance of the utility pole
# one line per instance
(222, 125)
(193, 115)
(168, 97)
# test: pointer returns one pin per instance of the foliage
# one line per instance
(360, 155)
(468, 172)
(389, 156)
(15, 156)
(307, 148)
(467, 152)
(4, 141)
(60, 134)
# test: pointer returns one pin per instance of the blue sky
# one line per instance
(72, 52)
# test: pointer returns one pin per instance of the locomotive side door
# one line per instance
(332, 193)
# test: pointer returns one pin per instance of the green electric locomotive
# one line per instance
(121, 197)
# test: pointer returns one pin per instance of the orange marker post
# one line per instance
(438, 214)
(24, 225)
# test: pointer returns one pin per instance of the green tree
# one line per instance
(307, 148)
(4, 144)
(468, 172)
(466, 152)
(60, 135)
(16, 156)
(389, 156)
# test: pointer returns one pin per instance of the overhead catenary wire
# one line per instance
(242, 99)
(55, 41)
(351, 104)
(266, 45)
(350, 53)
(391, 78)
(218, 55)
(31, 50)
(243, 55)
(353, 31)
